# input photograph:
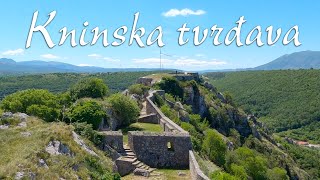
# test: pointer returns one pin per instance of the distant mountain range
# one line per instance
(298, 60)
(9, 66)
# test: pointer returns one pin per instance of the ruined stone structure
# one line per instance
(163, 120)
(114, 139)
(161, 150)
(187, 76)
(145, 81)
(148, 150)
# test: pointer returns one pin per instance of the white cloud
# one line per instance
(180, 63)
(183, 12)
(84, 65)
(13, 52)
(94, 55)
(49, 56)
(200, 55)
(98, 56)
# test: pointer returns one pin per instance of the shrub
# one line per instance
(37, 102)
(254, 164)
(88, 132)
(214, 146)
(277, 174)
(44, 112)
(172, 86)
(89, 111)
(139, 89)
(91, 87)
(125, 108)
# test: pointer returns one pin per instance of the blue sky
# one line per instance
(16, 19)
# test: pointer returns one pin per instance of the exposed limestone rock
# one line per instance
(57, 148)
(21, 116)
(25, 134)
(7, 115)
(141, 172)
(22, 175)
(221, 97)
(43, 164)
(19, 175)
(79, 141)
(135, 97)
(181, 174)
(209, 86)
(184, 116)
(22, 124)
(4, 126)
(197, 101)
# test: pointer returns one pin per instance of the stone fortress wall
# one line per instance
(176, 133)
(169, 149)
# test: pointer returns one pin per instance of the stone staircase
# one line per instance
(147, 118)
(139, 167)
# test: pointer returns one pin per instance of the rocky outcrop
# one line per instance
(9, 119)
(81, 143)
(194, 98)
(57, 148)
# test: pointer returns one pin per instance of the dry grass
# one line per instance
(22, 153)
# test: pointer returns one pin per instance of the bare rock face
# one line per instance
(7, 115)
(79, 141)
(21, 116)
(23, 175)
(43, 164)
(209, 86)
(4, 126)
(57, 148)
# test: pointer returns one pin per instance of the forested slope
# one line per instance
(283, 99)
(60, 82)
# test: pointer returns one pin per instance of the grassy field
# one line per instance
(165, 174)
(147, 127)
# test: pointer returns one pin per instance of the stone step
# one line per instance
(151, 169)
(139, 165)
(130, 157)
(136, 162)
(146, 167)
(130, 153)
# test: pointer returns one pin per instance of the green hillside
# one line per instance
(60, 82)
(283, 99)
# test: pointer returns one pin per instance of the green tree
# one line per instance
(220, 175)
(172, 86)
(277, 174)
(125, 108)
(239, 171)
(214, 146)
(254, 164)
(89, 111)
(139, 89)
(91, 87)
